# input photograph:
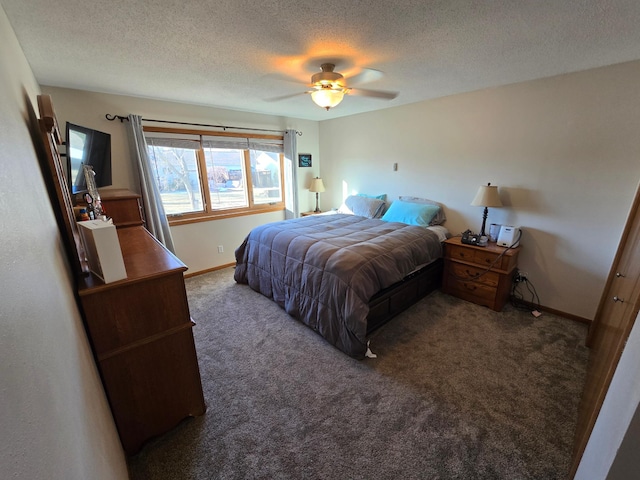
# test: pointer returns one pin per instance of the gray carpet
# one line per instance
(457, 391)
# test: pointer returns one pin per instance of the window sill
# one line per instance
(207, 217)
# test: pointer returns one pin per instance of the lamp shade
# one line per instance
(327, 97)
(316, 185)
(487, 196)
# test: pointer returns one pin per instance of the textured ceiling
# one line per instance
(234, 53)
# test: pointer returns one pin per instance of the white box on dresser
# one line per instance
(103, 250)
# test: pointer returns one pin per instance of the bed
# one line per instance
(343, 274)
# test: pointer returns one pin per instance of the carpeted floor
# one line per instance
(457, 391)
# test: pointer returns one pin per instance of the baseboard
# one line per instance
(209, 270)
(553, 311)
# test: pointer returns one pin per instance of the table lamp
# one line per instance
(487, 196)
(316, 186)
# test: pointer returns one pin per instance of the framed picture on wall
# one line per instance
(304, 160)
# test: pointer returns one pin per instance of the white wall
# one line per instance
(564, 152)
(54, 417)
(196, 243)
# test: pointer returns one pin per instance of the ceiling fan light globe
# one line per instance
(326, 97)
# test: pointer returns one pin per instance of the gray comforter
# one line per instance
(323, 269)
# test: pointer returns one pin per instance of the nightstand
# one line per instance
(462, 262)
(306, 214)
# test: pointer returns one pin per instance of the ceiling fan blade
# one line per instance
(365, 76)
(284, 78)
(285, 97)
(361, 92)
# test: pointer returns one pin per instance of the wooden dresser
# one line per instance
(123, 206)
(463, 263)
(141, 333)
(139, 328)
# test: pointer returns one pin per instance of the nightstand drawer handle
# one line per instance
(618, 274)
(618, 299)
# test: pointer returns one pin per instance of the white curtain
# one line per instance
(291, 174)
(156, 219)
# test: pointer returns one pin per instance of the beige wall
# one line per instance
(564, 152)
(197, 243)
(54, 417)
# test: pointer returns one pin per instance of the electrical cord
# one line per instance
(517, 297)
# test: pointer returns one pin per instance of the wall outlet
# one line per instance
(220, 249)
(520, 277)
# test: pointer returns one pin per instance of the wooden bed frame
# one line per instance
(389, 302)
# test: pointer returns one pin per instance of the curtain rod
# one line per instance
(111, 118)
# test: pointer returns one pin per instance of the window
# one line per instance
(203, 175)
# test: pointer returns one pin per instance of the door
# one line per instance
(610, 329)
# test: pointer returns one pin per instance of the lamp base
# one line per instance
(484, 222)
(317, 210)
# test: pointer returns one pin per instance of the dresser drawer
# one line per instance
(479, 298)
(124, 207)
(479, 256)
(460, 253)
(477, 289)
(462, 272)
(129, 312)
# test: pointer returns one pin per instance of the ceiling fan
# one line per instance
(328, 87)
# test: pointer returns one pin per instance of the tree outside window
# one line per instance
(202, 176)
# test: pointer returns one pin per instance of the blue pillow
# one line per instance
(410, 213)
(382, 196)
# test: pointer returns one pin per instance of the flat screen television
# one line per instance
(86, 146)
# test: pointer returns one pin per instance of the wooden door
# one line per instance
(608, 334)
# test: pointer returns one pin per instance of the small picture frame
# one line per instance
(304, 160)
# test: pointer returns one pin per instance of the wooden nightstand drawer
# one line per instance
(475, 289)
(460, 253)
(479, 256)
(476, 293)
(489, 259)
(463, 272)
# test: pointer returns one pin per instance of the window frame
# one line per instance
(208, 213)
